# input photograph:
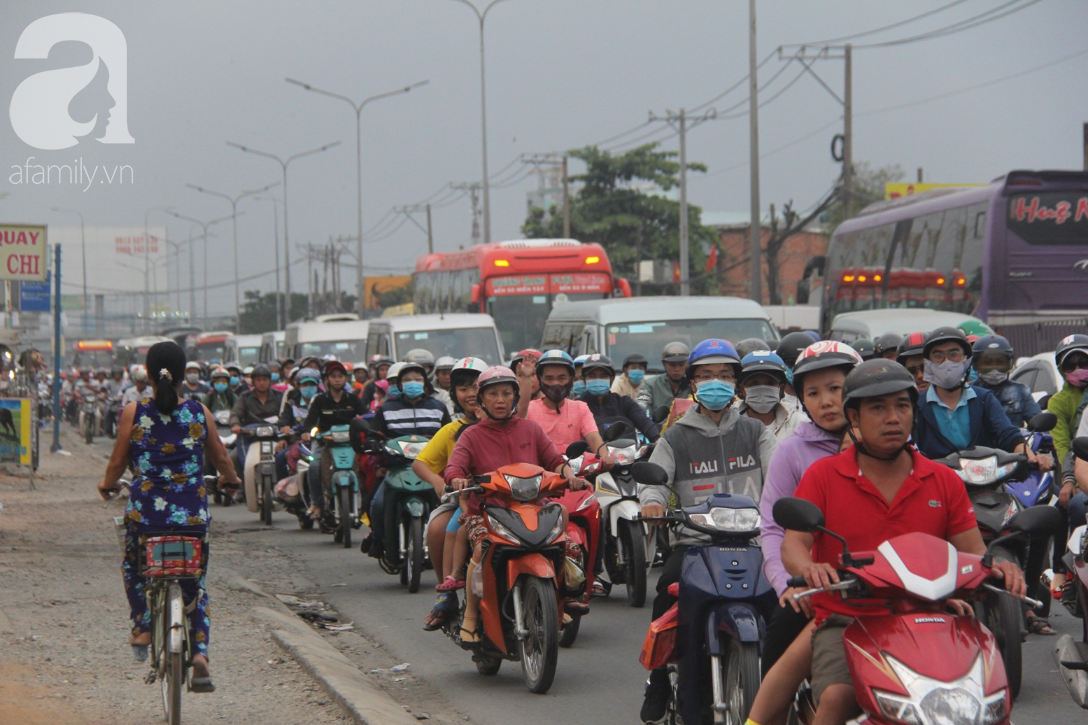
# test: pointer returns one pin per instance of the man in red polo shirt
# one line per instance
(875, 490)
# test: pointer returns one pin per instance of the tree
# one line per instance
(867, 187)
(259, 311)
(791, 224)
(614, 209)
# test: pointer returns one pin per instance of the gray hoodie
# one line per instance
(702, 458)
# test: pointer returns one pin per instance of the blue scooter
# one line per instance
(724, 602)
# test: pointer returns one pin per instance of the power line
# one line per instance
(733, 87)
(881, 29)
(744, 164)
(968, 24)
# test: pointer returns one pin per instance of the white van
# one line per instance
(620, 327)
(850, 326)
(343, 335)
(455, 335)
(273, 346)
(243, 349)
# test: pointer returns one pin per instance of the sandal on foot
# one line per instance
(1039, 625)
(140, 652)
(200, 680)
(451, 584)
(470, 637)
(434, 620)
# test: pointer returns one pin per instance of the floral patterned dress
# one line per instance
(167, 494)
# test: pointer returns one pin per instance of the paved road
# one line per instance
(598, 681)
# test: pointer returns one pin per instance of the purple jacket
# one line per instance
(793, 456)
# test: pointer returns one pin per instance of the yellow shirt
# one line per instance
(436, 454)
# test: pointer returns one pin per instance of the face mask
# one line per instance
(578, 388)
(412, 389)
(948, 375)
(993, 378)
(598, 387)
(308, 391)
(394, 392)
(192, 378)
(1078, 378)
(714, 395)
(762, 398)
(556, 393)
(234, 381)
(275, 377)
(220, 387)
(635, 376)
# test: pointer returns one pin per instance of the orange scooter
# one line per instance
(523, 575)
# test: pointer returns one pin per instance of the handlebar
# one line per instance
(841, 586)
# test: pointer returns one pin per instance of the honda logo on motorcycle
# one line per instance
(1081, 266)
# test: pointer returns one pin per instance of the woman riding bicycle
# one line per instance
(165, 439)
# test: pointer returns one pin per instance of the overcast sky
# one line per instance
(561, 74)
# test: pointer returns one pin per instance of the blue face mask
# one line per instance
(597, 386)
(275, 377)
(578, 389)
(636, 376)
(220, 387)
(973, 377)
(394, 392)
(714, 395)
(412, 389)
(234, 381)
(308, 391)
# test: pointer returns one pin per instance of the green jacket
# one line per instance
(1067, 403)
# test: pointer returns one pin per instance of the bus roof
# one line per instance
(482, 254)
(411, 323)
(331, 330)
(608, 311)
(247, 340)
(214, 336)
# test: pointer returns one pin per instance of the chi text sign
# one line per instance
(22, 252)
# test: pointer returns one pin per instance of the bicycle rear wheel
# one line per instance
(172, 674)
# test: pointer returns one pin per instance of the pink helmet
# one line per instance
(495, 375)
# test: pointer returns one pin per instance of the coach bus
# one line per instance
(1013, 253)
(516, 282)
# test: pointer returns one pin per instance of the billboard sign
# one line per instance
(22, 252)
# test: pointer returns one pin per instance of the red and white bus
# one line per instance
(516, 282)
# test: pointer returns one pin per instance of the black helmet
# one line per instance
(947, 334)
(749, 345)
(912, 344)
(675, 352)
(596, 361)
(260, 371)
(1070, 344)
(991, 344)
(889, 341)
(865, 347)
(790, 346)
(635, 358)
(874, 378)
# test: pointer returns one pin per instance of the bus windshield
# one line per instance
(521, 318)
(211, 351)
(248, 355)
(649, 338)
(456, 343)
(343, 349)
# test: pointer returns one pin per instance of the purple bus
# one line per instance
(1013, 253)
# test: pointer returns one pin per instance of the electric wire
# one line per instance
(874, 31)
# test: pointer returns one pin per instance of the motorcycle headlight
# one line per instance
(222, 417)
(557, 529)
(340, 436)
(264, 431)
(624, 456)
(413, 449)
(895, 707)
(502, 530)
(587, 502)
(733, 521)
(983, 470)
(997, 709)
(933, 702)
(951, 706)
(524, 489)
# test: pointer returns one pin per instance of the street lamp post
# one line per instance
(147, 266)
(483, 114)
(83, 253)
(284, 163)
(358, 108)
(234, 215)
(276, 240)
(204, 226)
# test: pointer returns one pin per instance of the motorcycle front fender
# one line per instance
(415, 507)
(342, 479)
(535, 565)
(740, 620)
(622, 510)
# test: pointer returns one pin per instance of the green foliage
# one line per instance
(259, 311)
(629, 222)
(867, 187)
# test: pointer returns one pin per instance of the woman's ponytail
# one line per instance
(166, 368)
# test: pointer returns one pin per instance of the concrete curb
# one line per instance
(363, 700)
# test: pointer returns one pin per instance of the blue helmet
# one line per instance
(763, 361)
(709, 352)
(555, 357)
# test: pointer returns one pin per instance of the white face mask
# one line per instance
(762, 398)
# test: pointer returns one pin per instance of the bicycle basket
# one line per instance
(176, 557)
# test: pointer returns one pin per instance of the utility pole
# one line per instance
(473, 188)
(1086, 147)
(848, 134)
(557, 163)
(683, 123)
(407, 211)
(754, 228)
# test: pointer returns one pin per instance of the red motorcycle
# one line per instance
(583, 530)
(1071, 655)
(912, 661)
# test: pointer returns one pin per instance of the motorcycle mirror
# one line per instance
(1037, 521)
(1044, 402)
(798, 515)
(614, 431)
(649, 474)
(576, 449)
(1080, 448)
(1042, 423)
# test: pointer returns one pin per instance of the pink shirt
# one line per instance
(572, 422)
